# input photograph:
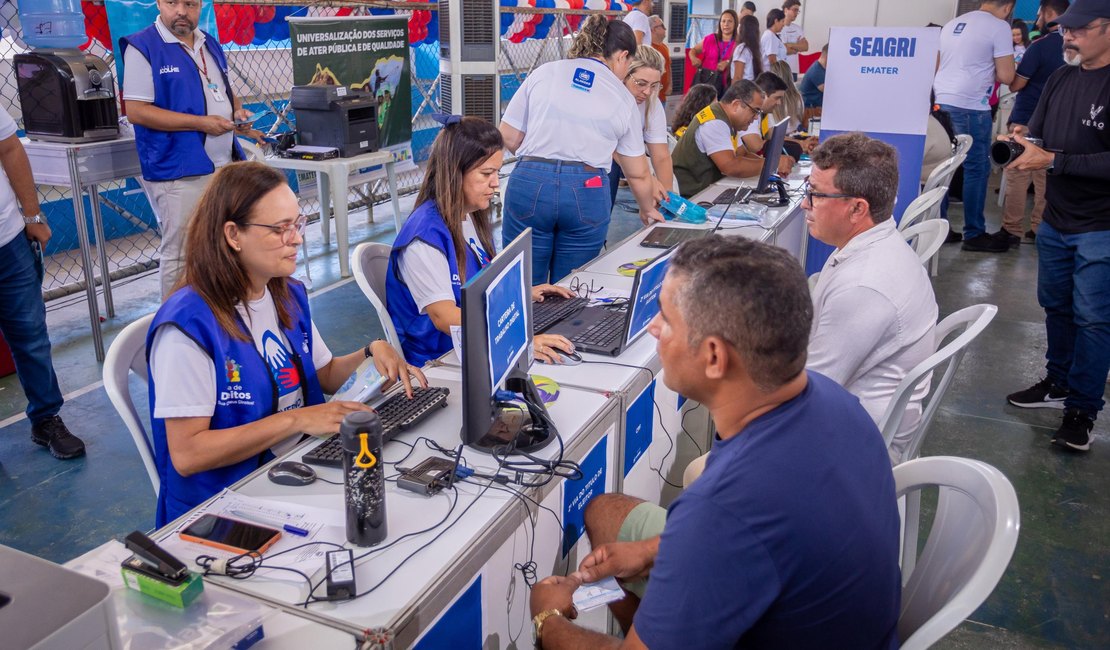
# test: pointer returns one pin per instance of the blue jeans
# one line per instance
(977, 167)
(569, 221)
(23, 323)
(1073, 287)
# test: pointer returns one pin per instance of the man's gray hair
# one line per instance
(752, 295)
(865, 167)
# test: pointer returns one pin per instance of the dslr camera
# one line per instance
(1004, 152)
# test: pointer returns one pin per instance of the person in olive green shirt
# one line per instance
(707, 151)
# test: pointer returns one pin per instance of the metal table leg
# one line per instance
(323, 192)
(101, 249)
(339, 190)
(86, 254)
(391, 176)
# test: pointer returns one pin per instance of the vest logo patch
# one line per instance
(168, 69)
(583, 79)
(705, 115)
(281, 364)
(232, 368)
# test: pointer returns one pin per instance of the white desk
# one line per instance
(332, 178)
(81, 167)
(486, 541)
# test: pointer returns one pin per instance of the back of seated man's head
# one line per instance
(865, 167)
(752, 296)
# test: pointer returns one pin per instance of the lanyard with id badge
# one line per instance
(202, 67)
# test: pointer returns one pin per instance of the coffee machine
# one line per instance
(66, 96)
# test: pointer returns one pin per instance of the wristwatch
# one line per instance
(537, 624)
(33, 220)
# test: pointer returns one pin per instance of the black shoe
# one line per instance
(953, 237)
(1075, 430)
(1030, 235)
(985, 244)
(51, 432)
(1042, 395)
(1004, 235)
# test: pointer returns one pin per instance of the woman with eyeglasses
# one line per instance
(237, 369)
(448, 239)
(643, 79)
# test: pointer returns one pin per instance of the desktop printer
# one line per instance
(336, 116)
(66, 96)
(47, 607)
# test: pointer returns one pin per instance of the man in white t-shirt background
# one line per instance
(792, 35)
(638, 20)
(976, 50)
(23, 235)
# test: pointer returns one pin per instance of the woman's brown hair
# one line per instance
(212, 268)
(459, 148)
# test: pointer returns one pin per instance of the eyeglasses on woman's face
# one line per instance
(288, 231)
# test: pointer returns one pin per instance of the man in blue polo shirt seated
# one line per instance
(789, 539)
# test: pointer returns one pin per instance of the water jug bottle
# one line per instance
(360, 435)
(52, 24)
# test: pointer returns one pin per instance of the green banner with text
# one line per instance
(362, 53)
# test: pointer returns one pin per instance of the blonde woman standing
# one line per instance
(644, 74)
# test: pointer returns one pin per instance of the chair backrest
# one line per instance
(942, 174)
(922, 208)
(926, 238)
(128, 354)
(370, 263)
(970, 544)
(967, 324)
(963, 144)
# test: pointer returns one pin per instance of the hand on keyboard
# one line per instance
(393, 367)
(323, 419)
(541, 290)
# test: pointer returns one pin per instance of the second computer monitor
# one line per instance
(771, 154)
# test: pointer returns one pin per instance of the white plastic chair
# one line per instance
(128, 354)
(369, 264)
(970, 544)
(926, 238)
(963, 144)
(925, 207)
(966, 324)
(942, 174)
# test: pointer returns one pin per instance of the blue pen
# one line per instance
(259, 519)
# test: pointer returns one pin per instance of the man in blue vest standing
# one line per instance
(181, 104)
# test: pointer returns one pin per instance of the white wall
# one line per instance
(819, 15)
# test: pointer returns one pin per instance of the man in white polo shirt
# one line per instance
(792, 35)
(638, 20)
(181, 104)
(976, 50)
(23, 234)
(874, 312)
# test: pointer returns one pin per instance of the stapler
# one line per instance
(156, 573)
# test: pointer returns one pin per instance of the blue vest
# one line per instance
(170, 155)
(245, 392)
(420, 340)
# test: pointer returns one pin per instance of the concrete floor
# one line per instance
(1054, 594)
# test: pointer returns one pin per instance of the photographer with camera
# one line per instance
(1073, 243)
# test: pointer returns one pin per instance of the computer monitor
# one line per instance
(497, 340)
(645, 295)
(771, 154)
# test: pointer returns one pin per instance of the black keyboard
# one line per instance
(604, 333)
(398, 413)
(726, 197)
(554, 309)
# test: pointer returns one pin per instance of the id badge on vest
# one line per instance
(214, 90)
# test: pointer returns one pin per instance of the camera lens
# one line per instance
(1004, 152)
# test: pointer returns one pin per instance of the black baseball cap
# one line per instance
(1083, 12)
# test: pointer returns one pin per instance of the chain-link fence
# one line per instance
(260, 66)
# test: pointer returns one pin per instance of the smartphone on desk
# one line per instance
(230, 534)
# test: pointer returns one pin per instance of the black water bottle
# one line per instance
(364, 478)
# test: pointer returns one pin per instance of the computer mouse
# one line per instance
(567, 359)
(289, 472)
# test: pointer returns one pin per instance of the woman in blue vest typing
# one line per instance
(237, 369)
(448, 239)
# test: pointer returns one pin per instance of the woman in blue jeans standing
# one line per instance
(567, 123)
